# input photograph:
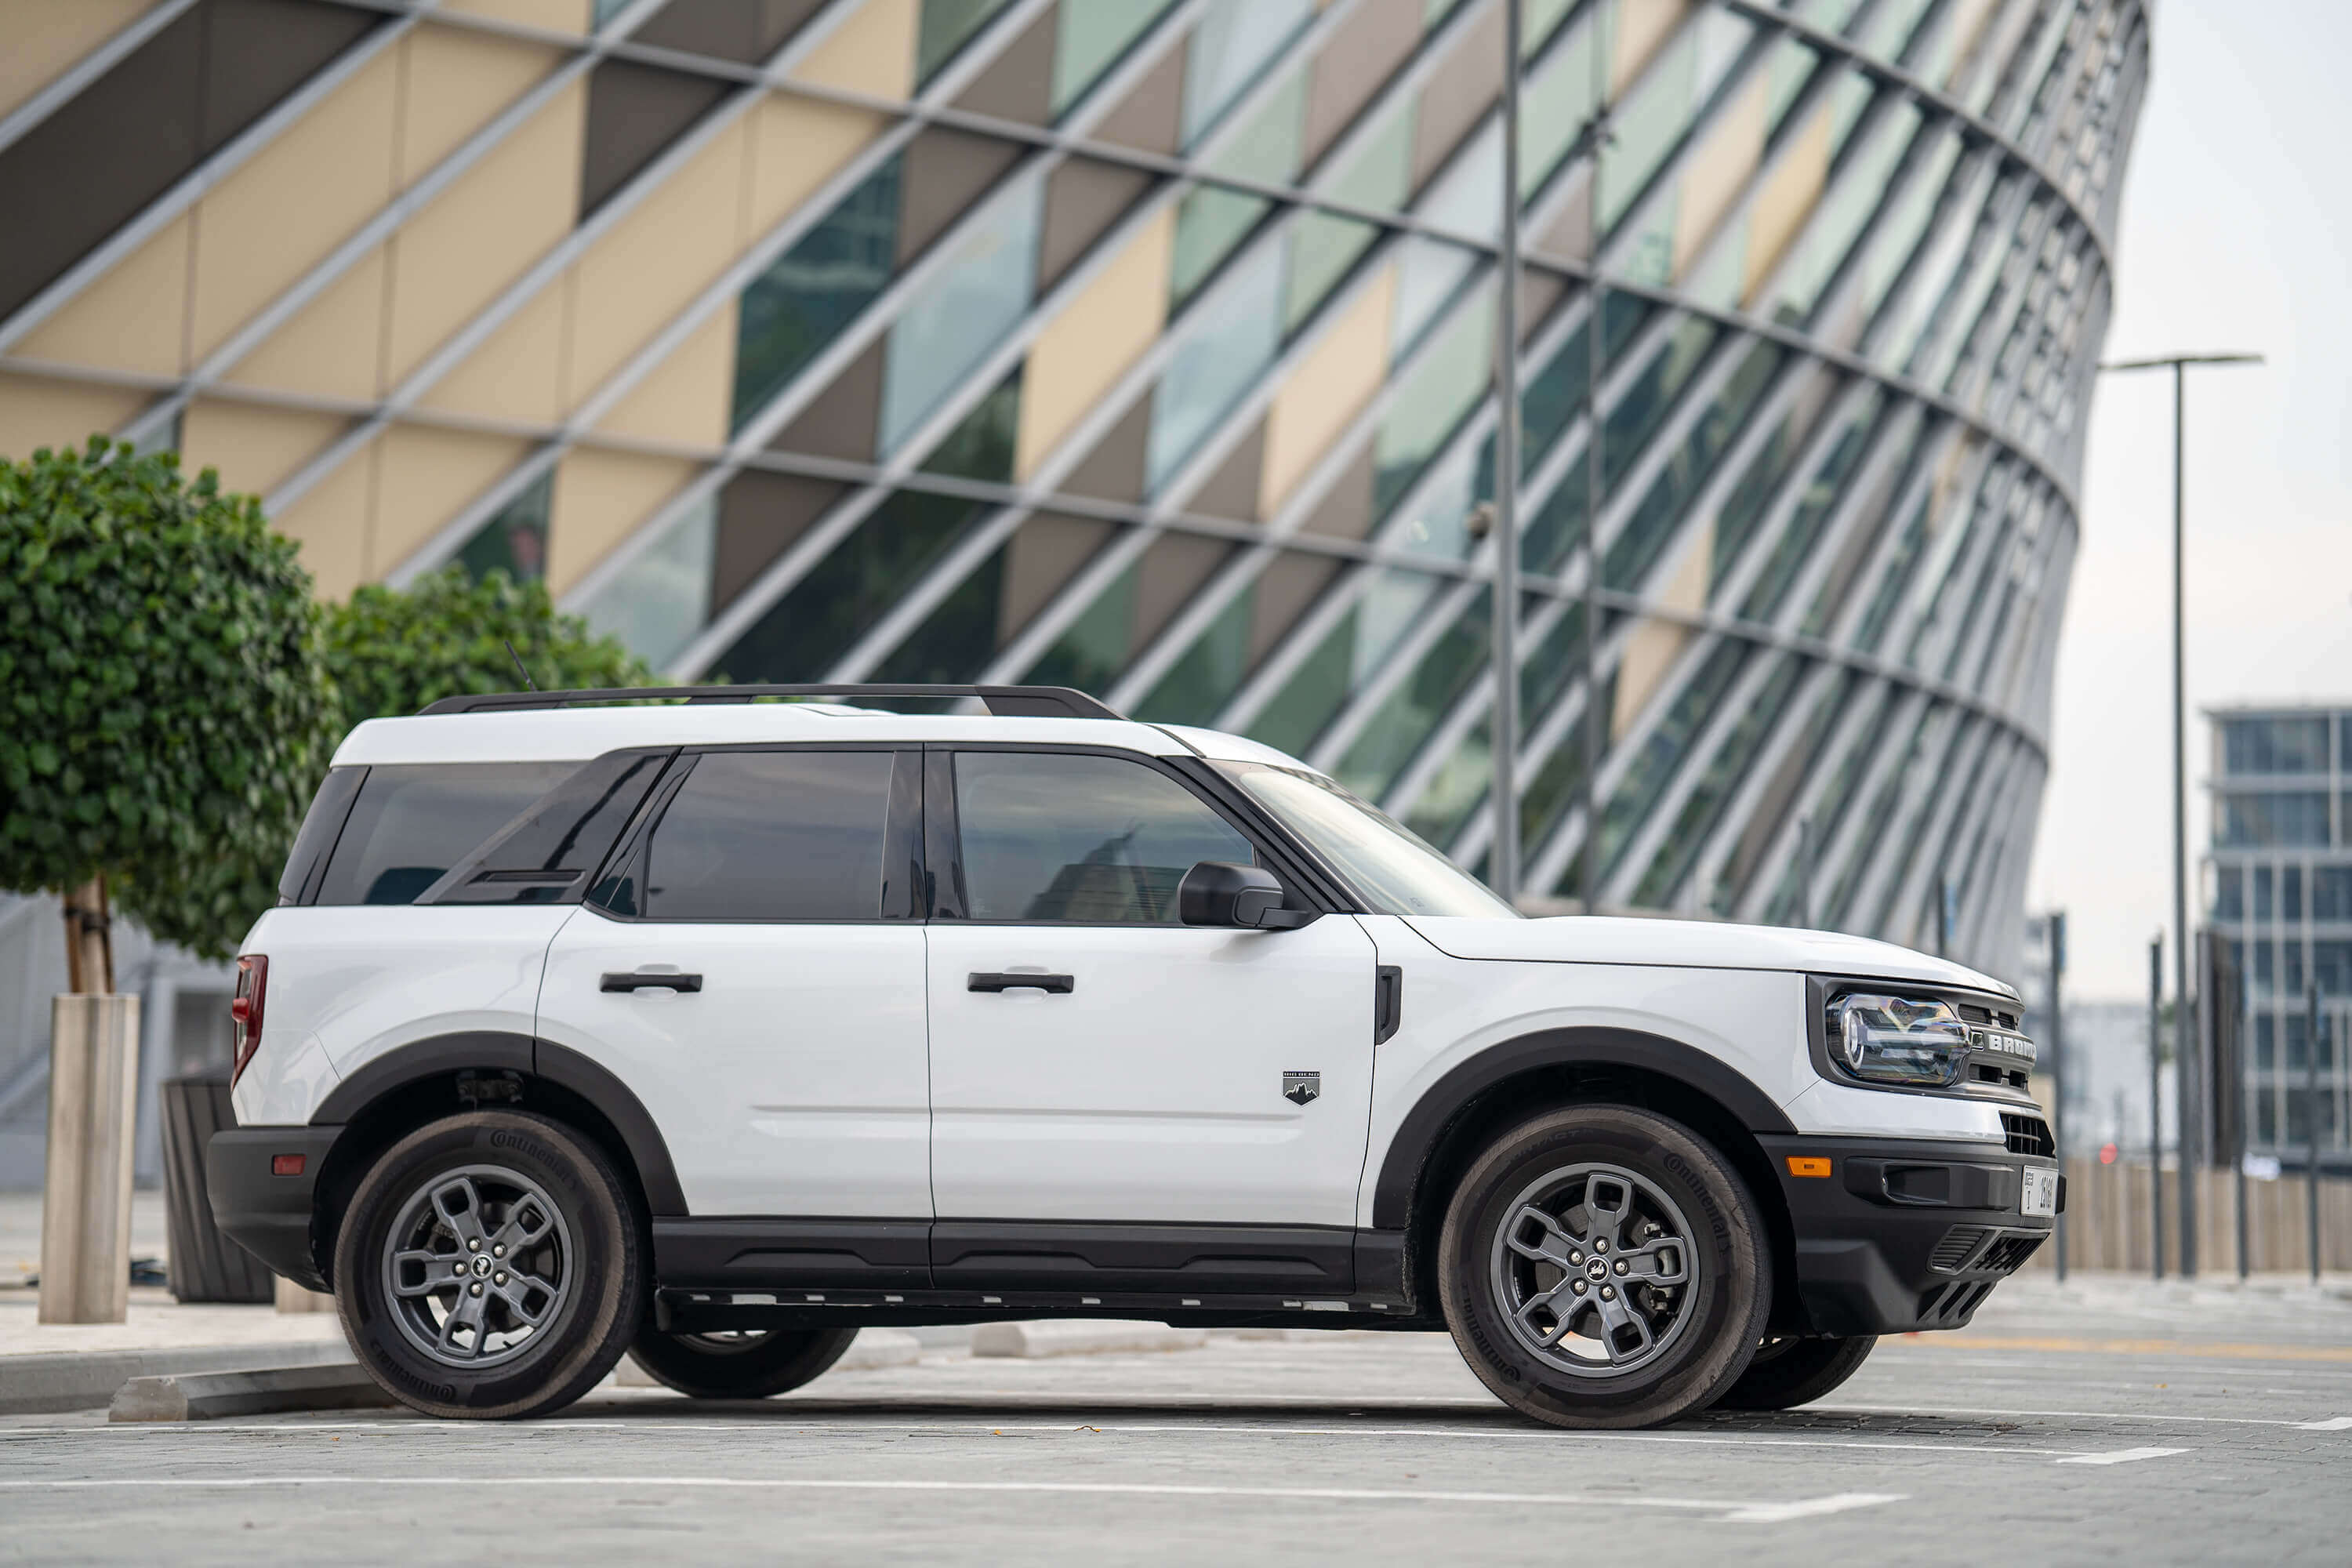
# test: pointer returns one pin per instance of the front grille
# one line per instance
(1957, 1243)
(2028, 1134)
(1975, 1014)
(2008, 1254)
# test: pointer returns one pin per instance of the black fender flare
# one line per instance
(1417, 1135)
(500, 1051)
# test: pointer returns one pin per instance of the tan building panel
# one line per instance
(1457, 93)
(457, 80)
(1149, 118)
(1654, 644)
(600, 498)
(1642, 28)
(1329, 387)
(269, 223)
(40, 40)
(1786, 201)
(1712, 177)
(1364, 50)
(484, 231)
(254, 448)
(1043, 556)
(556, 16)
(37, 412)
(134, 317)
(1082, 351)
(424, 479)
(517, 373)
(331, 523)
(687, 397)
(645, 270)
(872, 51)
(797, 144)
(334, 346)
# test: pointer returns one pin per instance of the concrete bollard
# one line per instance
(85, 1191)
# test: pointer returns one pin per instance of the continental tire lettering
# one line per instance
(524, 1143)
(444, 1392)
(1715, 1218)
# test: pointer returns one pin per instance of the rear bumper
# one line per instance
(269, 1215)
(1904, 1234)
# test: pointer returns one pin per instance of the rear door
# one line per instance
(751, 968)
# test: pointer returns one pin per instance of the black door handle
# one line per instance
(1053, 985)
(641, 982)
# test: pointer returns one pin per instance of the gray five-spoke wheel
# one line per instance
(477, 1264)
(1592, 1267)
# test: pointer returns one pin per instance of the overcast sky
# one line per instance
(2237, 225)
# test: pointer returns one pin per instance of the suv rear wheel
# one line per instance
(1789, 1371)
(750, 1364)
(1603, 1266)
(490, 1266)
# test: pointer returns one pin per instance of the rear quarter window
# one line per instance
(413, 822)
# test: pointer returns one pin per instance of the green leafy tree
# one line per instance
(166, 707)
(391, 651)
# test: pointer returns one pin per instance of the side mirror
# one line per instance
(1219, 893)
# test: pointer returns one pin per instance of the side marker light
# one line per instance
(1809, 1165)
(285, 1164)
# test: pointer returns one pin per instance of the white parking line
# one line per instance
(2333, 1423)
(2123, 1457)
(1726, 1510)
(2336, 1425)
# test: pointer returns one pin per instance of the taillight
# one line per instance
(245, 1012)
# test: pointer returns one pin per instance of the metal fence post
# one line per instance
(2311, 1111)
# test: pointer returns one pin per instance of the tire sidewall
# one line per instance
(1730, 1295)
(570, 1353)
(779, 1362)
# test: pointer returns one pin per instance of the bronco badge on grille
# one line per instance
(1298, 1087)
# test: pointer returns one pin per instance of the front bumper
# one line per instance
(269, 1215)
(1904, 1234)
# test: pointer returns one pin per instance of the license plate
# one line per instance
(2040, 1195)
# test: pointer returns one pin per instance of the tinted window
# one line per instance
(412, 823)
(1063, 836)
(772, 836)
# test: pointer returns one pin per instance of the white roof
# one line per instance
(560, 734)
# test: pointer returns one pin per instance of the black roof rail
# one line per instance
(1004, 701)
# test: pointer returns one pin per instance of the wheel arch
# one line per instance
(1508, 1082)
(392, 1095)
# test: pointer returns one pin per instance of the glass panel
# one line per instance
(1352, 650)
(1324, 246)
(2275, 745)
(2331, 892)
(1089, 38)
(772, 836)
(658, 605)
(1428, 273)
(964, 311)
(1221, 355)
(514, 541)
(808, 294)
(1653, 768)
(1232, 44)
(946, 27)
(1092, 649)
(1442, 389)
(2298, 820)
(1891, 585)
(1899, 231)
(412, 823)
(1555, 103)
(992, 606)
(1796, 540)
(1791, 66)
(1396, 873)
(1457, 789)
(1653, 522)
(1090, 839)
(1395, 733)
(1211, 221)
(1854, 195)
(1703, 805)
(1197, 685)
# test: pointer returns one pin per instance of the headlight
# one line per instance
(1899, 1039)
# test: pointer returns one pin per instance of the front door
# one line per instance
(755, 977)
(1155, 1073)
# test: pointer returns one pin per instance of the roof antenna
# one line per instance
(519, 664)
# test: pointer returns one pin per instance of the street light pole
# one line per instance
(2155, 1102)
(2184, 1062)
(2057, 930)
(1503, 864)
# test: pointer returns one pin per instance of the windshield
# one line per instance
(1397, 872)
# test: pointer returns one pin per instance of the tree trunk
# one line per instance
(89, 940)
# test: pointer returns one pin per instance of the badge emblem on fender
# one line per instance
(1298, 1087)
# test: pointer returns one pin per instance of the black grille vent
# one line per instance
(2028, 1134)
(1954, 1250)
(2008, 1254)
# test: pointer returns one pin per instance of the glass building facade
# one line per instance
(1147, 346)
(2280, 873)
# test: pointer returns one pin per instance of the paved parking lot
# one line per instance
(2112, 1423)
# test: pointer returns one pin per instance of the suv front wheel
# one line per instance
(1602, 1267)
(488, 1266)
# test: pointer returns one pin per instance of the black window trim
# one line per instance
(902, 840)
(1305, 885)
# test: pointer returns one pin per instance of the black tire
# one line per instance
(746, 1366)
(1671, 1348)
(549, 1205)
(1790, 1372)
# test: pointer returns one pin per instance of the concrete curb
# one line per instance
(1081, 1336)
(264, 1391)
(88, 1380)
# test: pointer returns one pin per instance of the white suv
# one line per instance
(714, 1030)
